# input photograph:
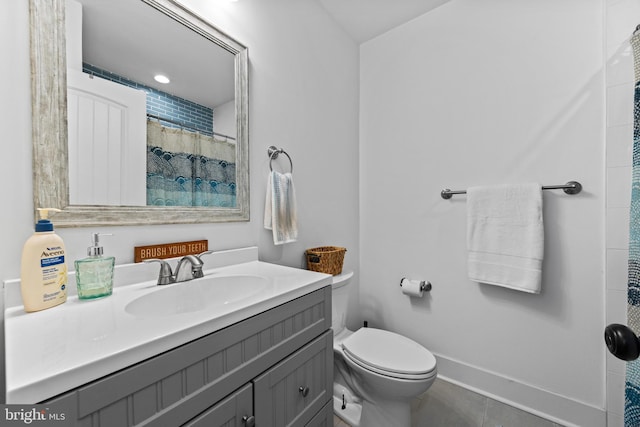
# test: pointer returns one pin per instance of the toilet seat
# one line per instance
(389, 354)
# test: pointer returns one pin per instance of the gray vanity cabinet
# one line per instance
(274, 369)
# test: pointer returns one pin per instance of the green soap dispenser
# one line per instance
(94, 274)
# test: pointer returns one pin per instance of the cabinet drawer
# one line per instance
(229, 412)
(293, 391)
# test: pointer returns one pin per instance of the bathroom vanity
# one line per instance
(266, 358)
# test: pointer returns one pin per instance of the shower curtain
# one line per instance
(632, 385)
(189, 169)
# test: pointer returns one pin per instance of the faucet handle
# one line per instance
(203, 253)
(197, 270)
(166, 275)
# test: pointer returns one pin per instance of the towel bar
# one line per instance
(571, 187)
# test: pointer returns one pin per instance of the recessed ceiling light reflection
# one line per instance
(161, 79)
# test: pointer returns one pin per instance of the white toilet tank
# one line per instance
(339, 301)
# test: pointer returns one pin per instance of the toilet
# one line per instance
(376, 373)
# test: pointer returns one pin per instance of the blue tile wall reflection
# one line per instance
(162, 104)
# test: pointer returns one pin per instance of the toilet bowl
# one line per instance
(376, 372)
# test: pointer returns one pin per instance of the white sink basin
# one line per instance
(207, 293)
(139, 321)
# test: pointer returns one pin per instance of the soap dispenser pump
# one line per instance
(94, 274)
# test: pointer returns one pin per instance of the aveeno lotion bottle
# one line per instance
(43, 271)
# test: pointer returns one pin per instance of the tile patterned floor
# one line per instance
(448, 405)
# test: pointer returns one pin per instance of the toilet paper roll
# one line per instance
(413, 288)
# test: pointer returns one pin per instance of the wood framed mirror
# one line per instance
(50, 128)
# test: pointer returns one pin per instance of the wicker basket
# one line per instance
(326, 259)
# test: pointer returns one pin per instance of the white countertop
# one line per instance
(58, 349)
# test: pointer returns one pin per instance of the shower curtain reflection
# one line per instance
(189, 169)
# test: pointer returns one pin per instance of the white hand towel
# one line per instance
(280, 214)
(505, 236)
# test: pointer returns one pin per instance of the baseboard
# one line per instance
(554, 407)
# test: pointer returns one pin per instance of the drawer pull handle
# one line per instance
(249, 421)
(304, 391)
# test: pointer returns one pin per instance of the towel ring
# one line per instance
(274, 152)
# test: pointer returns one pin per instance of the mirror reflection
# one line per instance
(50, 129)
(151, 109)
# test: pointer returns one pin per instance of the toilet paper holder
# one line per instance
(424, 285)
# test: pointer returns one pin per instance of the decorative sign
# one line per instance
(170, 250)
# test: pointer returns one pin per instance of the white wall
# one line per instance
(224, 119)
(303, 92)
(478, 93)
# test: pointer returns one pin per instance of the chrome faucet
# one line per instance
(182, 274)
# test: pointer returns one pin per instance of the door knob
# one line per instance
(622, 342)
(304, 391)
(249, 421)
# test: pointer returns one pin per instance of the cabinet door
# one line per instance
(293, 391)
(234, 411)
(324, 418)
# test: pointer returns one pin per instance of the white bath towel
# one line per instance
(505, 236)
(280, 214)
